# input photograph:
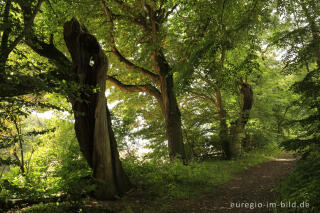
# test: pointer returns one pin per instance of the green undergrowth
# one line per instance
(301, 187)
(63, 207)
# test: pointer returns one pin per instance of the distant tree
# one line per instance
(222, 53)
(301, 37)
(14, 136)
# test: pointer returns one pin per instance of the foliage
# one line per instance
(308, 124)
(209, 47)
(301, 39)
(15, 135)
(157, 181)
(300, 186)
(54, 170)
(199, 130)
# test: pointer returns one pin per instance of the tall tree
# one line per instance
(149, 20)
(301, 38)
(84, 86)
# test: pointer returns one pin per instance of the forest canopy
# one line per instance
(140, 94)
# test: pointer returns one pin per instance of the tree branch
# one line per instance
(49, 51)
(207, 81)
(132, 66)
(7, 30)
(148, 88)
(120, 57)
(27, 25)
(43, 49)
(204, 97)
(137, 20)
(23, 85)
(170, 12)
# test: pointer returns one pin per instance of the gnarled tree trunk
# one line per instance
(231, 138)
(238, 127)
(92, 119)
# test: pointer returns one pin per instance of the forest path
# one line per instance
(252, 186)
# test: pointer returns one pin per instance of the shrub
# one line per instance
(302, 185)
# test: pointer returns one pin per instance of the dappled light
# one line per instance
(159, 106)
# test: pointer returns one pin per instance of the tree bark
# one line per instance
(169, 107)
(172, 117)
(231, 139)
(238, 127)
(92, 119)
(236, 135)
(223, 133)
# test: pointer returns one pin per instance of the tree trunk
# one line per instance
(223, 133)
(92, 119)
(238, 127)
(247, 142)
(170, 109)
(172, 118)
(236, 135)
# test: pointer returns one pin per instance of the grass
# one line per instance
(158, 184)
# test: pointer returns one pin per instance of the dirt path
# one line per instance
(251, 187)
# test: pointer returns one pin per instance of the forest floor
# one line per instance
(250, 188)
(245, 192)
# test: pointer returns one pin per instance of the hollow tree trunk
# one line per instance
(92, 119)
(238, 127)
(170, 109)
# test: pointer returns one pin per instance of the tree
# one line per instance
(15, 138)
(222, 57)
(301, 38)
(10, 135)
(150, 22)
(84, 85)
(92, 117)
